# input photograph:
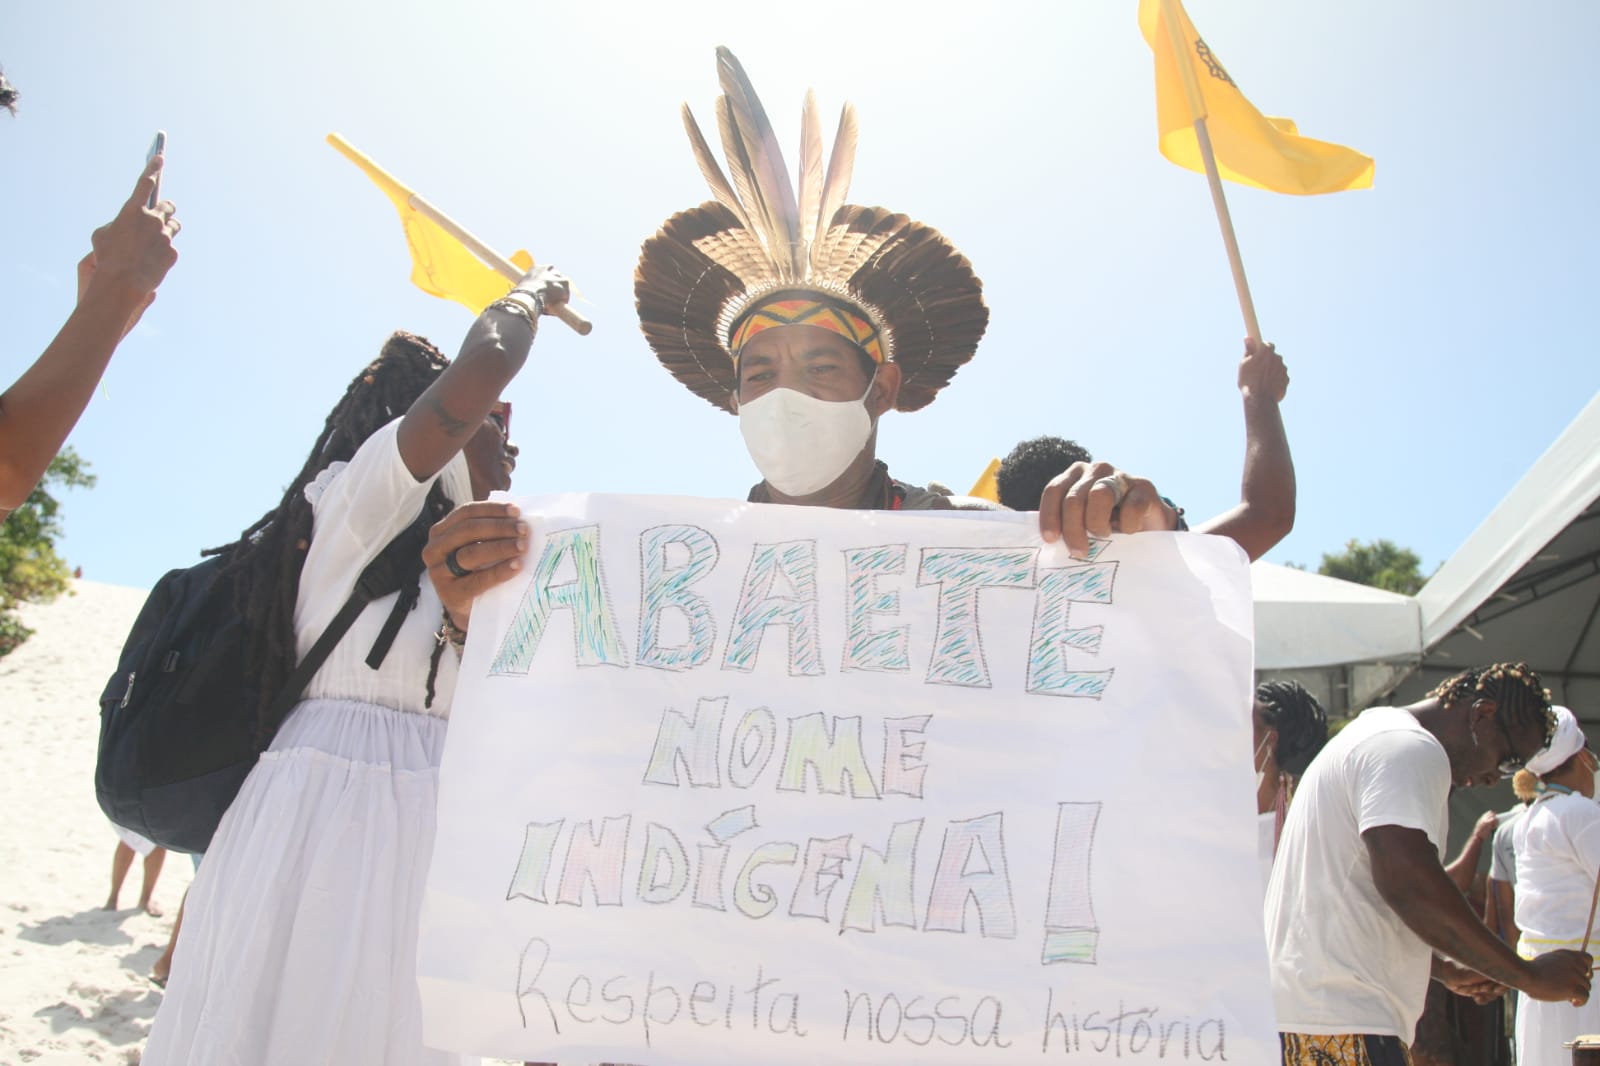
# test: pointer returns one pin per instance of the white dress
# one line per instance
(1557, 845)
(300, 932)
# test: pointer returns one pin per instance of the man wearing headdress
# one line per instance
(809, 318)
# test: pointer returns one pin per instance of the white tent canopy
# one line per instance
(1345, 642)
(1305, 619)
(1526, 585)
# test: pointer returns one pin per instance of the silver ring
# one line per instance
(1119, 487)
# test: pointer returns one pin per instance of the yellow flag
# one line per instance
(987, 487)
(440, 264)
(1250, 148)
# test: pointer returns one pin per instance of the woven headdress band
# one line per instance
(761, 257)
(807, 309)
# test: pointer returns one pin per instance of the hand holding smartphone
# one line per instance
(157, 147)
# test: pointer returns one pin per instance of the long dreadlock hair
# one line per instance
(265, 562)
(1301, 723)
(1519, 692)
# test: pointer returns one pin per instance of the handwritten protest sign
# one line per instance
(732, 783)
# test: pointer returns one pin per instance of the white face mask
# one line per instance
(802, 444)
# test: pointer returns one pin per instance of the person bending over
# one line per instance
(1360, 912)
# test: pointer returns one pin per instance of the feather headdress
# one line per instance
(710, 266)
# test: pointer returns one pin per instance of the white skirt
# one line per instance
(299, 943)
(143, 845)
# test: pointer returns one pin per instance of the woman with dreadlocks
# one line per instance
(1557, 844)
(1289, 728)
(299, 944)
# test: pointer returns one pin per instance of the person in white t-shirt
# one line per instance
(1360, 912)
(1558, 857)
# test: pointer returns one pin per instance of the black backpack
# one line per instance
(178, 722)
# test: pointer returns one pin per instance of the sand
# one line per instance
(74, 985)
(73, 981)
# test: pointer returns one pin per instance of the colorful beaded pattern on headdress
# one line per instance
(813, 310)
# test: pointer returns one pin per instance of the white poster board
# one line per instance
(731, 783)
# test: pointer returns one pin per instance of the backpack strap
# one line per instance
(307, 668)
(409, 596)
(400, 559)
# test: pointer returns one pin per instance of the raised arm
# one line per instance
(1464, 866)
(117, 280)
(1265, 512)
(1406, 871)
(446, 416)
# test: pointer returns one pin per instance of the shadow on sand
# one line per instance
(93, 926)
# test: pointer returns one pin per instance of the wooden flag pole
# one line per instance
(1197, 112)
(503, 266)
(1247, 306)
(1589, 929)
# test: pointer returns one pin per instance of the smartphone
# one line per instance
(157, 147)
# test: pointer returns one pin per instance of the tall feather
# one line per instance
(742, 172)
(840, 166)
(711, 171)
(810, 170)
(767, 169)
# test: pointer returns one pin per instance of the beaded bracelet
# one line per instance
(522, 303)
(450, 633)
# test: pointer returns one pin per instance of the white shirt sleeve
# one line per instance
(356, 513)
(1503, 865)
(1585, 830)
(1402, 777)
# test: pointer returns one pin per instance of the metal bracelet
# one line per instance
(537, 298)
(517, 302)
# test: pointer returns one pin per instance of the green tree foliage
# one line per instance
(30, 569)
(1381, 564)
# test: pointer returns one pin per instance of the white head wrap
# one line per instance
(1567, 742)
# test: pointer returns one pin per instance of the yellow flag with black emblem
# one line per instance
(440, 264)
(1250, 148)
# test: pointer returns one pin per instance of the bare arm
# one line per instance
(117, 280)
(445, 417)
(1406, 871)
(1265, 512)
(1503, 909)
(1465, 865)
(1465, 982)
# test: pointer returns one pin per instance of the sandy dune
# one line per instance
(72, 983)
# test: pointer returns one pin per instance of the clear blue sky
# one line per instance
(1438, 328)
